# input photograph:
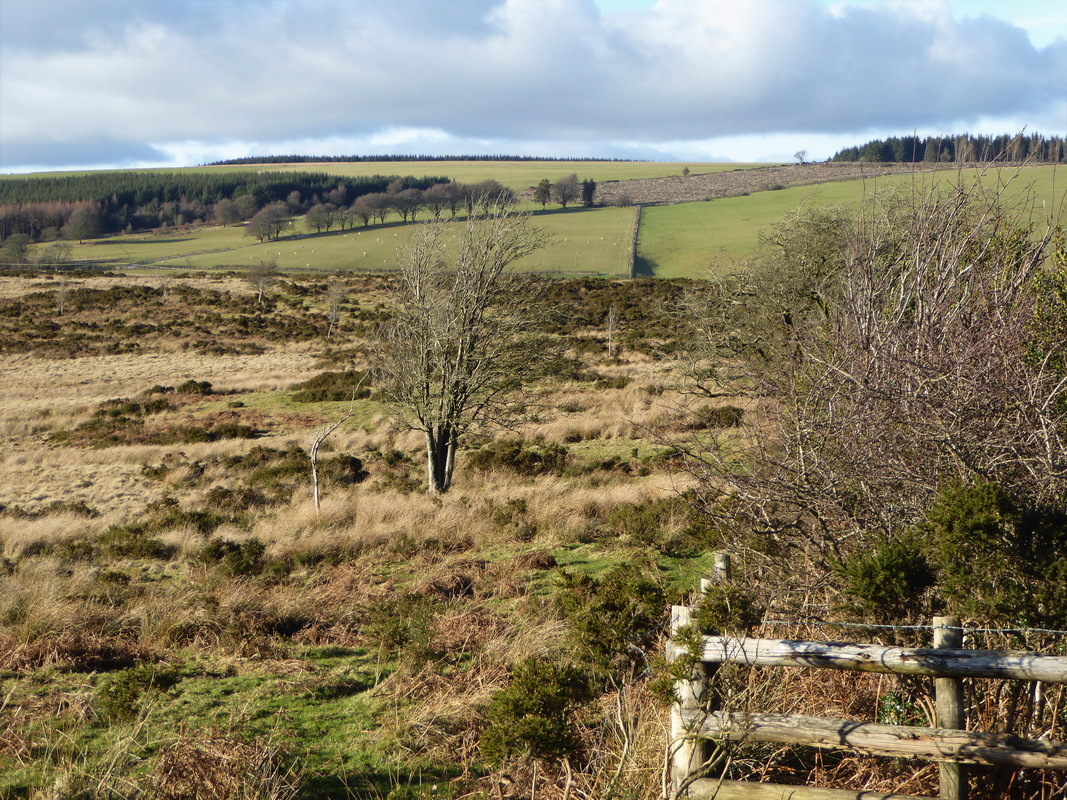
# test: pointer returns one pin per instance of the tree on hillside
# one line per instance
(543, 192)
(85, 222)
(56, 255)
(268, 222)
(15, 251)
(566, 190)
(261, 277)
(407, 203)
(458, 344)
(436, 199)
(295, 201)
(246, 206)
(588, 192)
(226, 212)
(362, 210)
(321, 217)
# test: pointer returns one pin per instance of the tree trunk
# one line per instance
(440, 458)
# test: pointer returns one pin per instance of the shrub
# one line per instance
(520, 456)
(119, 697)
(888, 580)
(533, 718)
(616, 382)
(133, 541)
(404, 626)
(727, 609)
(998, 558)
(333, 387)
(236, 558)
(614, 620)
(194, 387)
(715, 417)
(233, 500)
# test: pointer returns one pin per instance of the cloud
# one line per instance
(100, 75)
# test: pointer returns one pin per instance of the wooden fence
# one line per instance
(695, 722)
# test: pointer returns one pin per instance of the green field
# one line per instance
(686, 240)
(582, 241)
(695, 240)
(516, 175)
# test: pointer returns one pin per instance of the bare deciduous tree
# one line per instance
(566, 190)
(336, 295)
(261, 277)
(458, 345)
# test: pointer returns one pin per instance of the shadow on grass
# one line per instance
(644, 267)
(376, 784)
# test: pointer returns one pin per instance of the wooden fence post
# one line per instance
(721, 572)
(689, 753)
(948, 695)
(692, 754)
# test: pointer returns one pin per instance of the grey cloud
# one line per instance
(521, 70)
(50, 154)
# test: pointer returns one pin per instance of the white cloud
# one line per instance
(184, 79)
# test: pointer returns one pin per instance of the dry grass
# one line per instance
(480, 557)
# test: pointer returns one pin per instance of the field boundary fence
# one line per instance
(700, 727)
(633, 241)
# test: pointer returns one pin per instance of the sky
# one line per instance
(156, 83)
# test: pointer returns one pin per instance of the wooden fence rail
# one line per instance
(693, 723)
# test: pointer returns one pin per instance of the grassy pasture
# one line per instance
(693, 240)
(593, 241)
(517, 175)
(684, 240)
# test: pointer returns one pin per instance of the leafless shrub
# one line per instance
(891, 350)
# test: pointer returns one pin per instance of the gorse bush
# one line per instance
(615, 621)
(403, 626)
(980, 552)
(520, 456)
(998, 558)
(715, 417)
(120, 697)
(727, 609)
(333, 387)
(888, 581)
(533, 719)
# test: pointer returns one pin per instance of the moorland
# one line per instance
(180, 616)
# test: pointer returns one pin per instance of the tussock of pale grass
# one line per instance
(23, 537)
(222, 767)
(633, 412)
(627, 747)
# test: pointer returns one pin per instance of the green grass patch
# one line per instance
(700, 240)
(581, 241)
